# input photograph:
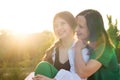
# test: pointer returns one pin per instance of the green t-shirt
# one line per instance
(107, 57)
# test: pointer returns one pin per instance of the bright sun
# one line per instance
(24, 31)
(27, 16)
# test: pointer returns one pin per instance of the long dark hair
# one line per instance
(95, 24)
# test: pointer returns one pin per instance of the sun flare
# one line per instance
(24, 31)
(35, 16)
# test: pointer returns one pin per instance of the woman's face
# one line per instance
(82, 31)
(62, 29)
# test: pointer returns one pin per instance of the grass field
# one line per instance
(14, 73)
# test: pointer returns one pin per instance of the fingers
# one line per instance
(38, 77)
(41, 77)
(80, 44)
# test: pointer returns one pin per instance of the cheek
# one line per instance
(86, 35)
(55, 32)
(68, 30)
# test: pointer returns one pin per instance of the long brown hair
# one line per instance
(70, 19)
(95, 25)
(49, 51)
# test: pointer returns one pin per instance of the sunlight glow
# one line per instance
(29, 16)
(24, 31)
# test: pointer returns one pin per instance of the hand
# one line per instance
(79, 46)
(41, 77)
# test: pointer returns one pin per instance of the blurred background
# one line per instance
(26, 30)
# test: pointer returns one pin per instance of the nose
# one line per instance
(77, 29)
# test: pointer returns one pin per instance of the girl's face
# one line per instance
(82, 31)
(62, 29)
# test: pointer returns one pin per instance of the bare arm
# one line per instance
(41, 77)
(83, 69)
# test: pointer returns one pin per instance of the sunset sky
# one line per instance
(29, 16)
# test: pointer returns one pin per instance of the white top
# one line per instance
(71, 56)
(72, 75)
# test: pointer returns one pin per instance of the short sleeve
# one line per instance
(103, 54)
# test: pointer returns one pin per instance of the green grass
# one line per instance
(14, 73)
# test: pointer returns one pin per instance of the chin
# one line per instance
(78, 37)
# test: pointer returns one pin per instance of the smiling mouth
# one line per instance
(78, 34)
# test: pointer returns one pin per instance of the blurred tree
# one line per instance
(114, 34)
(113, 31)
(21, 54)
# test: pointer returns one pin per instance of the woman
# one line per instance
(103, 63)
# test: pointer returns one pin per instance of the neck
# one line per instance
(66, 43)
